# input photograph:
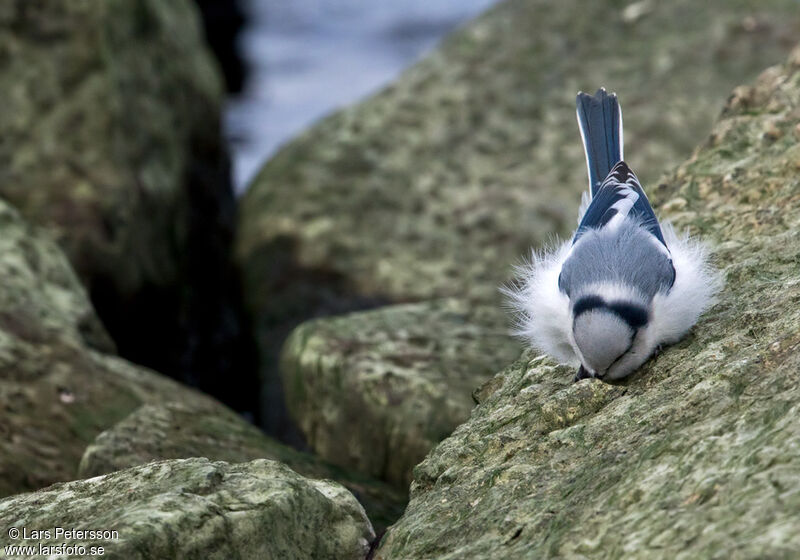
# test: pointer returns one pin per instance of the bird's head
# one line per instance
(610, 337)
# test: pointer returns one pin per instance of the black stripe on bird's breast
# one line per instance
(635, 316)
(587, 303)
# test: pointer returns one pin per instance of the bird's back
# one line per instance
(625, 255)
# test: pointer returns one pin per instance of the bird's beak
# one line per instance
(582, 374)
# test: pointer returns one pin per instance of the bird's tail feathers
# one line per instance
(600, 122)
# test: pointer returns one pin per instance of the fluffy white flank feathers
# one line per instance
(541, 310)
(695, 289)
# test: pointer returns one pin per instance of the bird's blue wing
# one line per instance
(619, 194)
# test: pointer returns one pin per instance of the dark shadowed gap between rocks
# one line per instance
(194, 329)
(223, 20)
(287, 294)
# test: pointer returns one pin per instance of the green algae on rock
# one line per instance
(56, 397)
(110, 140)
(195, 508)
(40, 296)
(695, 456)
(437, 184)
(57, 389)
(374, 391)
(180, 430)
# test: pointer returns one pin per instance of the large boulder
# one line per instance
(694, 456)
(110, 140)
(434, 186)
(56, 396)
(375, 391)
(58, 386)
(61, 390)
(194, 508)
(179, 430)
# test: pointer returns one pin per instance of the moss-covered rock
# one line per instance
(56, 397)
(58, 389)
(374, 391)
(110, 140)
(40, 296)
(694, 456)
(195, 508)
(437, 184)
(179, 430)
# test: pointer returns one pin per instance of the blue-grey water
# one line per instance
(310, 57)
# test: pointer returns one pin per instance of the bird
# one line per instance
(624, 285)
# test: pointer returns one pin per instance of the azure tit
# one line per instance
(624, 285)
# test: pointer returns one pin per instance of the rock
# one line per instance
(197, 508)
(375, 391)
(40, 296)
(58, 389)
(174, 430)
(111, 142)
(434, 186)
(56, 397)
(694, 456)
